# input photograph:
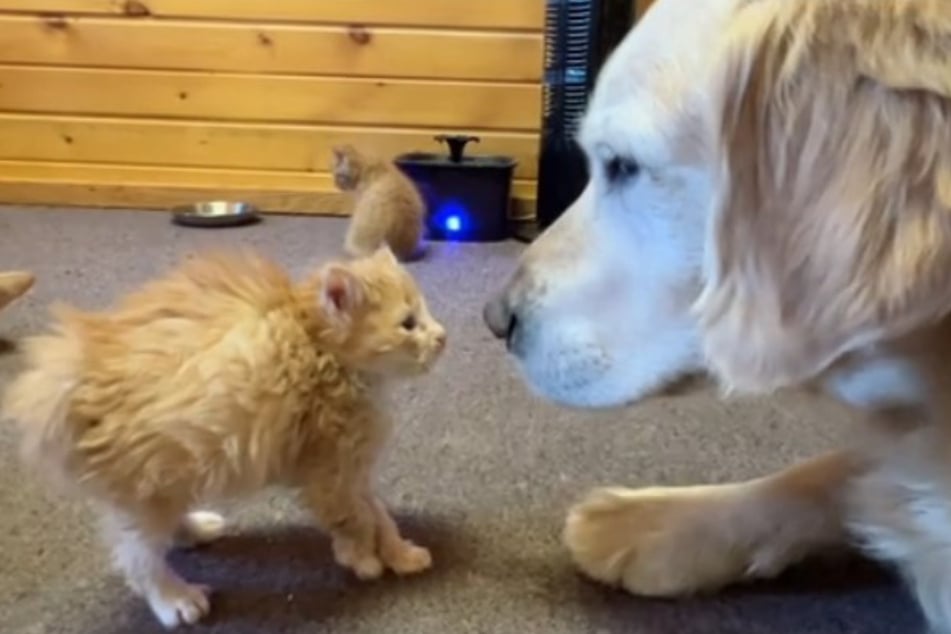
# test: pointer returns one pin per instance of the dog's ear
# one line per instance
(832, 228)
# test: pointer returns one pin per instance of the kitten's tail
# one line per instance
(39, 399)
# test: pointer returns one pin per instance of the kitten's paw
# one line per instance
(200, 527)
(409, 559)
(180, 604)
(13, 284)
(364, 566)
(368, 568)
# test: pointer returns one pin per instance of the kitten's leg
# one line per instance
(139, 544)
(680, 540)
(199, 527)
(400, 555)
(348, 515)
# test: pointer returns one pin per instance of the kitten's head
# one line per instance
(348, 167)
(376, 317)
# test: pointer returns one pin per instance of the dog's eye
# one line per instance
(620, 168)
(409, 323)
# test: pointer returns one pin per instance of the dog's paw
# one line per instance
(180, 604)
(200, 527)
(408, 559)
(657, 542)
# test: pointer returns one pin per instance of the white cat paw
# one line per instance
(200, 527)
(180, 604)
(368, 568)
(364, 566)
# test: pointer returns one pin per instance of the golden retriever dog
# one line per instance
(770, 204)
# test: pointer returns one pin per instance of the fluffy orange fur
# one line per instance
(223, 377)
(387, 207)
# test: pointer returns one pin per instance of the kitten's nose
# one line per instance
(498, 316)
(441, 339)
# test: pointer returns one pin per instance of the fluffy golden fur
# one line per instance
(833, 229)
(13, 285)
(783, 219)
(387, 207)
(221, 378)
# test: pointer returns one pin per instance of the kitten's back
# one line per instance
(105, 391)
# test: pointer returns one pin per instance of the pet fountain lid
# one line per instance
(456, 158)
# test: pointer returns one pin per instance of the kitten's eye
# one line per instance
(620, 168)
(409, 323)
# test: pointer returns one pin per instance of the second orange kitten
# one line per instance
(387, 207)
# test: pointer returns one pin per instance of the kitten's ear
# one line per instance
(341, 154)
(341, 292)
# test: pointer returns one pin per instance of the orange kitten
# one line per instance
(219, 379)
(387, 207)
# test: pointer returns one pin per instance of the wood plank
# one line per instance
(136, 187)
(226, 145)
(490, 14)
(249, 48)
(270, 98)
(640, 6)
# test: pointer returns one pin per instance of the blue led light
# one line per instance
(453, 223)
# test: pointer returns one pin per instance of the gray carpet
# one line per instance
(481, 472)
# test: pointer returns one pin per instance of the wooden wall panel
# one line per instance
(247, 96)
(131, 186)
(640, 6)
(272, 48)
(281, 99)
(484, 14)
(215, 144)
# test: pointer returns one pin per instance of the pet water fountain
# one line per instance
(467, 197)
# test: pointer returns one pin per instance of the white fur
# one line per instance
(621, 268)
(139, 554)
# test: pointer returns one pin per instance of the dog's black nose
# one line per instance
(498, 316)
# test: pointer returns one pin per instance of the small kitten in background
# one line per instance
(387, 207)
(217, 380)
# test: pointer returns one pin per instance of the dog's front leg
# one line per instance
(681, 540)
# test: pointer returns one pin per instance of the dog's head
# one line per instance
(770, 189)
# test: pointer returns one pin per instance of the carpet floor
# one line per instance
(480, 471)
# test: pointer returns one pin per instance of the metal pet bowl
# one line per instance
(217, 213)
